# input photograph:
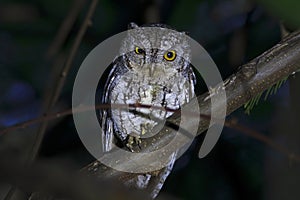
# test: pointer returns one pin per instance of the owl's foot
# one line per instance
(133, 140)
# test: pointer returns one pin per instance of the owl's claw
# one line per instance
(132, 140)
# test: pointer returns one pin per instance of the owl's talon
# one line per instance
(132, 140)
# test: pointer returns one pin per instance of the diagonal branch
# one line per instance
(250, 80)
(60, 83)
(65, 29)
(56, 91)
(234, 125)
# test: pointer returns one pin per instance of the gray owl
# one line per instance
(153, 69)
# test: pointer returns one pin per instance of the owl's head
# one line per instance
(156, 43)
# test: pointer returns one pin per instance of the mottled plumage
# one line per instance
(153, 69)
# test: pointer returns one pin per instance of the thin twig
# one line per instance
(251, 79)
(287, 51)
(79, 109)
(10, 193)
(57, 89)
(86, 23)
(233, 124)
(65, 28)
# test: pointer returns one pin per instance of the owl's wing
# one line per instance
(192, 80)
(115, 71)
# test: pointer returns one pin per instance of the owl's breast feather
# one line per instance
(169, 90)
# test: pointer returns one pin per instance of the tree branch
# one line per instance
(65, 28)
(233, 124)
(57, 90)
(58, 181)
(250, 80)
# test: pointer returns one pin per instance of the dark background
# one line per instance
(232, 31)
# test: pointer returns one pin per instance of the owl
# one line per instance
(153, 69)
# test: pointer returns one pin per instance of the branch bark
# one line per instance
(56, 92)
(250, 80)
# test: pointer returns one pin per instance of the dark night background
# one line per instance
(232, 31)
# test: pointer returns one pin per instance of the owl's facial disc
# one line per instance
(165, 48)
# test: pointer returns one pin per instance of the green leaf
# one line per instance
(287, 10)
(255, 100)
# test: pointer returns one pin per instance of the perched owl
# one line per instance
(153, 69)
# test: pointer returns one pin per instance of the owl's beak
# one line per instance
(154, 69)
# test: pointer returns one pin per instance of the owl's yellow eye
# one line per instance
(170, 55)
(138, 50)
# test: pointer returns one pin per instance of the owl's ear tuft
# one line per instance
(132, 25)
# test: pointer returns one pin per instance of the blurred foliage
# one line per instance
(235, 168)
(286, 10)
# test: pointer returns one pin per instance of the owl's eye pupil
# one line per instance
(170, 54)
(139, 50)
